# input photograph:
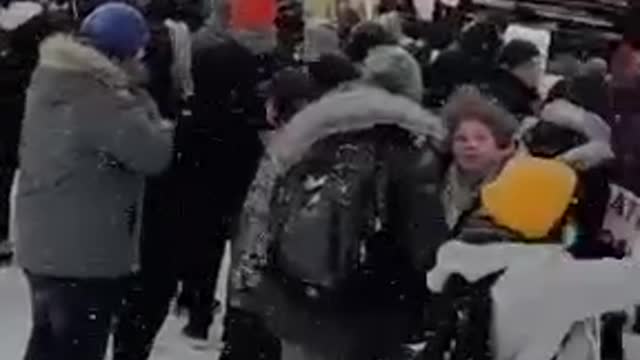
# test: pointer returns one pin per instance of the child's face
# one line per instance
(475, 149)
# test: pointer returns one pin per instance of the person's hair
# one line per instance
(481, 39)
(288, 90)
(517, 52)
(468, 103)
(160, 9)
(331, 70)
(364, 37)
(289, 17)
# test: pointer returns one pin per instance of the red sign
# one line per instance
(252, 14)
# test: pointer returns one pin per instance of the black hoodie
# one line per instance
(513, 94)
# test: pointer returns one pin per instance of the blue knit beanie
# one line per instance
(116, 29)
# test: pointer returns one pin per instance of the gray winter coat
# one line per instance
(88, 139)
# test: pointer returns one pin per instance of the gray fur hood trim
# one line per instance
(358, 107)
(595, 152)
(65, 53)
(568, 115)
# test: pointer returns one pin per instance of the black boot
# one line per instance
(242, 328)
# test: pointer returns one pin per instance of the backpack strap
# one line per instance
(462, 219)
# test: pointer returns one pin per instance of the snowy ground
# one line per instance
(15, 325)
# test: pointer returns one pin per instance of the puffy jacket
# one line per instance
(347, 135)
(88, 139)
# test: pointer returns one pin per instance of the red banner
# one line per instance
(252, 14)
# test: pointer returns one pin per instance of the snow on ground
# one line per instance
(15, 324)
(170, 345)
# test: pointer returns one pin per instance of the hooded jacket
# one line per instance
(357, 122)
(512, 93)
(504, 287)
(582, 140)
(625, 120)
(89, 137)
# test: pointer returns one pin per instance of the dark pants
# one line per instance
(200, 275)
(247, 338)
(71, 317)
(145, 307)
(611, 336)
(6, 181)
(198, 297)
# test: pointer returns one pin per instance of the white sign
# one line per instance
(622, 220)
(540, 37)
(450, 3)
(425, 9)
(365, 8)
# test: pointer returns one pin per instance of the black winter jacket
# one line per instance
(357, 136)
(513, 94)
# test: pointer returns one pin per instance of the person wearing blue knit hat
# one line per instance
(117, 30)
(90, 136)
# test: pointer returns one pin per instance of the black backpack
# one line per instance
(329, 215)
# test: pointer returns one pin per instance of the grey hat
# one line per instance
(394, 69)
(320, 38)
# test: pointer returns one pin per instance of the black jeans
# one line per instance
(611, 336)
(200, 275)
(71, 317)
(145, 308)
(6, 181)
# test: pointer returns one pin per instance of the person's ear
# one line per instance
(508, 150)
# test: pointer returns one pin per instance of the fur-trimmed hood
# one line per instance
(597, 150)
(353, 108)
(66, 53)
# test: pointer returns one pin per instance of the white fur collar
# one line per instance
(358, 107)
(65, 53)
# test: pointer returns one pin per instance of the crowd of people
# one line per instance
(389, 188)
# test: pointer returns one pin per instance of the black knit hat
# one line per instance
(291, 84)
(288, 89)
(518, 52)
(364, 37)
(331, 70)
